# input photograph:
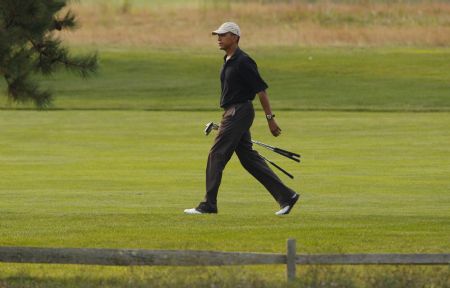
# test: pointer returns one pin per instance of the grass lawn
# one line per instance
(299, 78)
(122, 154)
(370, 182)
(122, 179)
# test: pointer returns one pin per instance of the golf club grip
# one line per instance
(280, 151)
(278, 167)
(282, 170)
(287, 154)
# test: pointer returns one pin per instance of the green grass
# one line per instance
(370, 183)
(122, 179)
(116, 166)
(299, 79)
(227, 277)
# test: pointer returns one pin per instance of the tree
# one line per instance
(29, 46)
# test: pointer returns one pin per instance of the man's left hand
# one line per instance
(274, 128)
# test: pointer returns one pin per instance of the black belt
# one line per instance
(234, 104)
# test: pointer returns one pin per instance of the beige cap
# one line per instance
(228, 27)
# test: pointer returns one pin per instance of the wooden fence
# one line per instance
(129, 257)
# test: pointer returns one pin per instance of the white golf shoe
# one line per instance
(192, 211)
(286, 209)
(202, 208)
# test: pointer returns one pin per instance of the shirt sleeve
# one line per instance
(250, 74)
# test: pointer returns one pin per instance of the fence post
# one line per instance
(291, 259)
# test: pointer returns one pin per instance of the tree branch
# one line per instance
(28, 46)
(40, 48)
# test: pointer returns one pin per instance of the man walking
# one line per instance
(240, 82)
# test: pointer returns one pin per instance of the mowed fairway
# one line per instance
(370, 182)
(125, 154)
(376, 79)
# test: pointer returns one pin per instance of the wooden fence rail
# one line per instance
(130, 257)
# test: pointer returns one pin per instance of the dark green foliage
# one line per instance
(28, 46)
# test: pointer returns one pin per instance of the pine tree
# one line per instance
(28, 46)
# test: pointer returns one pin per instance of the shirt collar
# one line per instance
(235, 54)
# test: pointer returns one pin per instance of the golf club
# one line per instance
(291, 155)
(213, 126)
(209, 127)
(285, 153)
(278, 167)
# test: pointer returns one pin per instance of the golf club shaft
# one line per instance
(293, 156)
(285, 153)
(278, 167)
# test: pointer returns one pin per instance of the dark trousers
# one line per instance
(234, 136)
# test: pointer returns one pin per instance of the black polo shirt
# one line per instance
(240, 79)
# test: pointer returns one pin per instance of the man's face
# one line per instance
(226, 40)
